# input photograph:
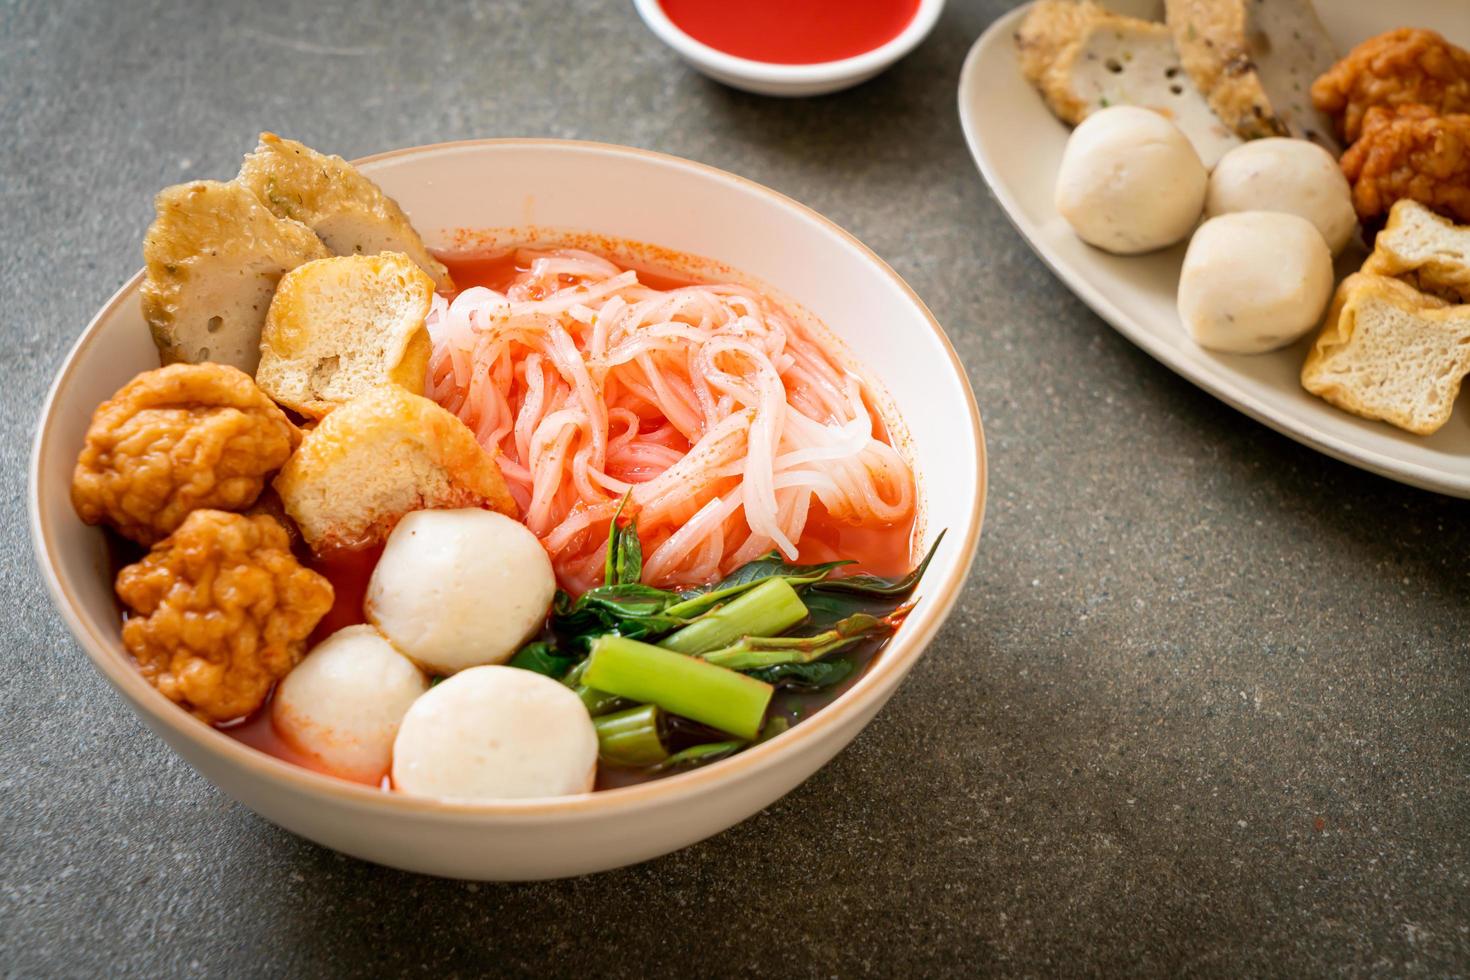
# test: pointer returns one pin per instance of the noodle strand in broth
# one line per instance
(721, 414)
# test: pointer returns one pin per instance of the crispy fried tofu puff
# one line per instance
(343, 207)
(1402, 67)
(1428, 252)
(214, 254)
(381, 455)
(340, 326)
(220, 612)
(174, 440)
(1410, 153)
(1390, 352)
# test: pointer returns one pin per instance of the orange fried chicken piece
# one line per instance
(1410, 152)
(1402, 67)
(176, 439)
(220, 611)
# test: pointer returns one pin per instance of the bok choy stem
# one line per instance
(769, 609)
(679, 684)
(597, 702)
(632, 738)
(753, 652)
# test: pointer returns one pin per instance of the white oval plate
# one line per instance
(1136, 295)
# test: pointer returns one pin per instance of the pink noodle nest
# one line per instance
(721, 414)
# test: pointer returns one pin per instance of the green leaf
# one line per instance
(624, 563)
(876, 585)
(826, 609)
(815, 676)
(775, 725)
(770, 565)
(756, 652)
(630, 555)
(698, 755)
(542, 658)
(631, 610)
(627, 599)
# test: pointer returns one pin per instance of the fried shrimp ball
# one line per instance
(1402, 67)
(174, 440)
(220, 610)
(1410, 153)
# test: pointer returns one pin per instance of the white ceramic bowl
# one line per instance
(765, 78)
(536, 185)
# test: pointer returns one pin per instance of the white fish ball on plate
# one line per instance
(342, 704)
(1130, 181)
(1254, 281)
(1280, 174)
(460, 588)
(496, 733)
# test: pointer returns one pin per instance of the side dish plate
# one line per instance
(1136, 294)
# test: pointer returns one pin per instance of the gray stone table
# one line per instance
(1202, 707)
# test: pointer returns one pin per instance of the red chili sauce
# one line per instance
(792, 32)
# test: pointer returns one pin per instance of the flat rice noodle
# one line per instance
(720, 415)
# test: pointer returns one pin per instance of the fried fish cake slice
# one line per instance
(330, 196)
(1083, 57)
(214, 254)
(1255, 61)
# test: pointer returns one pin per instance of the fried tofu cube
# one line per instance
(340, 326)
(1390, 352)
(380, 456)
(1425, 250)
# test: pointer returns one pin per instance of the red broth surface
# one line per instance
(792, 32)
(875, 550)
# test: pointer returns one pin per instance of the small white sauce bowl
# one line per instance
(556, 190)
(768, 78)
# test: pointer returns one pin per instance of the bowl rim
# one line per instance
(749, 69)
(895, 660)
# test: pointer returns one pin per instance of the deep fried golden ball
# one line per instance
(220, 611)
(1402, 67)
(176, 439)
(1410, 152)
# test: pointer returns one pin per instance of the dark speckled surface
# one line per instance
(1202, 708)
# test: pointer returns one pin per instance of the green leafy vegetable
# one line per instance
(816, 676)
(775, 725)
(680, 684)
(699, 755)
(624, 564)
(876, 585)
(542, 658)
(599, 703)
(753, 652)
(769, 609)
(752, 573)
(644, 698)
(826, 609)
(629, 609)
(632, 738)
